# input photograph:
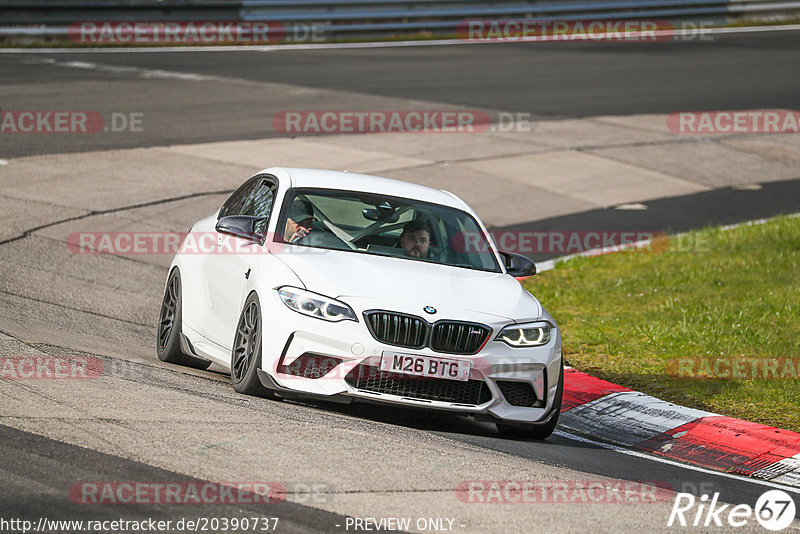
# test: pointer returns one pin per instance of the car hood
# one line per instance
(348, 274)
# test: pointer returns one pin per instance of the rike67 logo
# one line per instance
(774, 510)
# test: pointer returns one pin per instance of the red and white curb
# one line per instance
(615, 414)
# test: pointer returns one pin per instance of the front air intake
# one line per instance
(372, 378)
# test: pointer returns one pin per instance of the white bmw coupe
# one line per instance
(346, 287)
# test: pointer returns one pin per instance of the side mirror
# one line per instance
(243, 226)
(518, 265)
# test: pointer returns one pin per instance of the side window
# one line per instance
(259, 203)
(234, 204)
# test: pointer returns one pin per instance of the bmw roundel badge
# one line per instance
(429, 309)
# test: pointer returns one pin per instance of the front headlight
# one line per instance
(526, 335)
(315, 305)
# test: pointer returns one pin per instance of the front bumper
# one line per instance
(340, 362)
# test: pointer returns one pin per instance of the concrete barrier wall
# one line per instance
(358, 18)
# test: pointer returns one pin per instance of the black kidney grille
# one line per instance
(372, 378)
(519, 393)
(458, 338)
(412, 332)
(397, 329)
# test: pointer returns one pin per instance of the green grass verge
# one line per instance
(707, 294)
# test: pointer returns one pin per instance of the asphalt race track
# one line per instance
(242, 91)
(144, 421)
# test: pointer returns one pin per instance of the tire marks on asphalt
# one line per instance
(93, 213)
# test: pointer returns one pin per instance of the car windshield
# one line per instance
(368, 223)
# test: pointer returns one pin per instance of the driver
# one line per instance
(298, 220)
(416, 238)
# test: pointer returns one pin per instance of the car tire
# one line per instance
(170, 321)
(538, 431)
(246, 352)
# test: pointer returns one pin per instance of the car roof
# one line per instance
(351, 181)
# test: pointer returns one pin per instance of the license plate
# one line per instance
(412, 364)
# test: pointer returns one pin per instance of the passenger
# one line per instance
(416, 239)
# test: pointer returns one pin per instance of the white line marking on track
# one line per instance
(390, 44)
(633, 206)
(140, 71)
(637, 454)
(79, 64)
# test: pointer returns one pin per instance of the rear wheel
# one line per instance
(246, 354)
(168, 333)
(539, 431)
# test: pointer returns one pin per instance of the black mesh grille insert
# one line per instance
(519, 394)
(371, 378)
(397, 329)
(458, 338)
(310, 366)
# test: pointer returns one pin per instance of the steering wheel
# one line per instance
(437, 257)
(335, 231)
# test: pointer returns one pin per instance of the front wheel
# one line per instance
(168, 333)
(540, 431)
(246, 353)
